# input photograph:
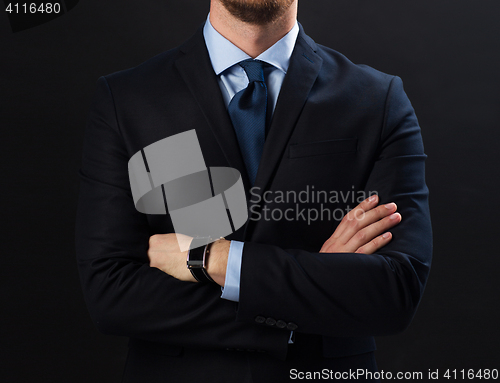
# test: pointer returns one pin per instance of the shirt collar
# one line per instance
(224, 54)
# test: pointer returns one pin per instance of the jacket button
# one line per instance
(292, 326)
(281, 324)
(271, 321)
(260, 319)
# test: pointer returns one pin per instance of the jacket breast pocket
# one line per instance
(322, 148)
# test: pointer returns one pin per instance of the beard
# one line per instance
(258, 12)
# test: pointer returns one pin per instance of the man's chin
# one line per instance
(258, 12)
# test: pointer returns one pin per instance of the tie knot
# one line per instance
(254, 70)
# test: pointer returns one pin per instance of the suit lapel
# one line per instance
(196, 69)
(304, 68)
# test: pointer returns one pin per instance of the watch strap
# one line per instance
(196, 259)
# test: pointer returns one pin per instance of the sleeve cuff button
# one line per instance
(260, 319)
(292, 326)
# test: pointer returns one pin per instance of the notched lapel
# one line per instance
(304, 68)
(196, 69)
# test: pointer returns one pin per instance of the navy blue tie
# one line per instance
(248, 110)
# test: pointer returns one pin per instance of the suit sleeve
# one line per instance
(344, 295)
(124, 295)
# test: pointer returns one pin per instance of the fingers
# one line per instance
(364, 228)
(345, 228)
(362, 237)
(375, 244)
(369, 219)
(362, 217)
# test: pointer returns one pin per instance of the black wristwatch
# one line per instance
(196, 258)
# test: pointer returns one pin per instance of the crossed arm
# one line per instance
(363, 230)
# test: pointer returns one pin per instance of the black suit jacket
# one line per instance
(338, 127)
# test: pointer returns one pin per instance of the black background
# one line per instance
(446, 51)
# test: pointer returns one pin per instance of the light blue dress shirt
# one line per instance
(225, 57)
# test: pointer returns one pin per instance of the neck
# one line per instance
(251, 38)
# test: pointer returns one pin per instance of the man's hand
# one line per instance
(364, 229)
(164, 253)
